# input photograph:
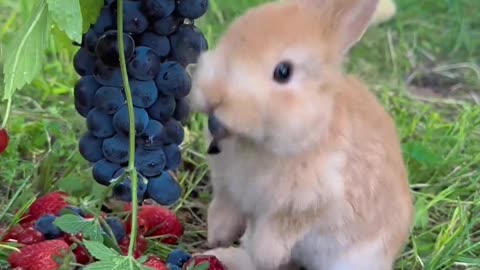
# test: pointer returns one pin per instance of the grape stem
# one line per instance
(131, 161)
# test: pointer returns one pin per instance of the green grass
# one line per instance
(435, 42)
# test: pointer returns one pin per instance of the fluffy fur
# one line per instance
(313, 173)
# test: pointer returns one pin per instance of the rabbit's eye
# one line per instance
(283, 71)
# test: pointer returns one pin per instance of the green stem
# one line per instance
(131, 161)
(7, 112)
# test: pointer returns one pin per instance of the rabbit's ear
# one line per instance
(345, 21)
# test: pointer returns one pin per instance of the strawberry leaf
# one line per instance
(102, 265)
(191, 266)
(74, 224)
(94, 232)
(109, 242)
(26, 51)
(68, 17)
(203, 266)
(116, 263)
(142, 259)
(100, 251)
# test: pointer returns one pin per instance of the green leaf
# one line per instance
(90, 12)
(102, 265)
(100, 251)
(117, 263)
(95, 232)
(109, 242)
(191, 266)
(26, 51)
(67, 14)
(74, 224)
(203, 266)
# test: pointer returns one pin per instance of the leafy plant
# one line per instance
(23, 63)
(27, 50)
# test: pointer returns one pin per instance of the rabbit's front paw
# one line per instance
(269, 251)
(225, 223)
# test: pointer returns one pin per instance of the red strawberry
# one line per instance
(30, 236)
(28, 224)
(38, 256)
(51, 203)
(26, 236)
(4, 139)
(155, 263)
(140, 247)
(70, 239)
(14, 233)
(215, 264)
(158, 221)
(81, 254)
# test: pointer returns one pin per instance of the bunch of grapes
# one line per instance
(160, 40)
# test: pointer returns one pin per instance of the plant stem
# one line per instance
(131, 161)
(7, 112)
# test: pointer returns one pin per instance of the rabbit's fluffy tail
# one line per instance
(386, 10)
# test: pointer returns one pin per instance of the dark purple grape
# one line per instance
(109, 99)
(179, 257)
(83, 62)
(173, 80)
(175, 132)
(123, 191)
(107, 76)
(182, 110)
(159, 44)
(103, 171)
(144, 93)
(82, 110)
(90, 40)
(166, 25)
(107, 48)
(163, 108)
(158, 8)
(106, 21)
(134, 21)
(109, 2)
(90, 147)
(122, 123)
(173, 156)
(84, 91)
(187, 44)
(116, 148)
(163, 189)
(46, 226)
(100, 124)
(149, 162)
(153, 137)
(117, 227)
(144, 65)
(192, 9)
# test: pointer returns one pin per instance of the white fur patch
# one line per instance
(318, 251)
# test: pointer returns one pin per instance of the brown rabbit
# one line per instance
(312, 173)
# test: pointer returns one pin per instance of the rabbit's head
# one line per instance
(274, 74)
